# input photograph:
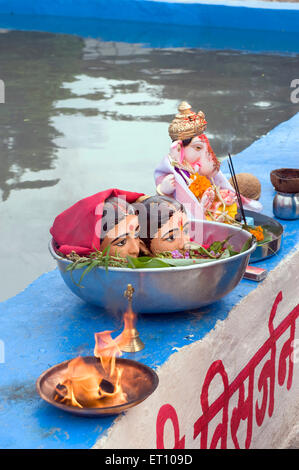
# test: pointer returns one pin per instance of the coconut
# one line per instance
(249, 185)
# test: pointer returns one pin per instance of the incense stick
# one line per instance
(235, 183)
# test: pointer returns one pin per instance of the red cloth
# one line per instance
(75, 228)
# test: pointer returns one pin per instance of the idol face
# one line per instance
(173, 235)
(197, 153)
(123, 238)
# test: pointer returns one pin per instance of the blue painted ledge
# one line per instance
(157, 35)
(250, 14)
(46, 324)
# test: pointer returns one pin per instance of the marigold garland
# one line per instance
(258, 232)
(199, 185)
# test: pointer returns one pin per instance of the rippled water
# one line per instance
(82, 115)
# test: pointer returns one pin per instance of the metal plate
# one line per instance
(143, 381)
(265, 250)
(164, 290)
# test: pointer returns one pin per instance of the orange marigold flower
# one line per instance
(258, 232)
(199, 185)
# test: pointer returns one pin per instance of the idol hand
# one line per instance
(168, 185)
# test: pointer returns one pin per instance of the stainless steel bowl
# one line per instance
(266, 249)
(164, 290)
(286, 206)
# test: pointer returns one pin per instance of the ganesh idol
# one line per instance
(191, 172)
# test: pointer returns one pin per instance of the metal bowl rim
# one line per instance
(275, 173)
(97, 411)
(268, 219)
(292, 195)
(170, 269)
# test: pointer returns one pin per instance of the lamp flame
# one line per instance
(98, 385)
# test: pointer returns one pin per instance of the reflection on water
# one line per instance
(33, 67)
(117, 99)
(82, 115)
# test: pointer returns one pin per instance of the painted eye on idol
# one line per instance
(186, 229)
(171, 238)
(121, 242)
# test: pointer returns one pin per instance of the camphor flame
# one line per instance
(87, 385)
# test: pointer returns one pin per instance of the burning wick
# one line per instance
(100, 385)
(94, 385)
(87, 386)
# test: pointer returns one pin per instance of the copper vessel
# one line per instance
(138, 381)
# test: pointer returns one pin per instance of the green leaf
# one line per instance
(187, 261)
(206, 252)
(268, 237)
(193, 246)
(76, 265)
(216, 246)
(92, 265)
(225, 254)
(247, 245)
(145, 262)
(231, 250)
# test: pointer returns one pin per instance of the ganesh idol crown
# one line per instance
(191, 171)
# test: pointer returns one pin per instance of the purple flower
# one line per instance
(176, 254)
(187, 255)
